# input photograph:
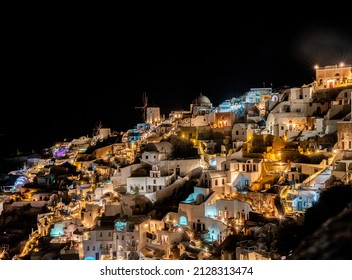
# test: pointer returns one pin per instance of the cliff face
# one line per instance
(332, 241)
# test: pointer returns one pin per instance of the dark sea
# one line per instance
(9, 147)
(15, 145)
(24, 142)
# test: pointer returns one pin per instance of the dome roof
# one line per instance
(201, 99)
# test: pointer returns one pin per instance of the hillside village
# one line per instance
(245, 179)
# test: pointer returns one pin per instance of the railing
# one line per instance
(105, 251)
(334, 66)
(69, 251)
(131, 248)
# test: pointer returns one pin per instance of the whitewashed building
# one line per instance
(152, 183)
(99, 242)
(131, 236)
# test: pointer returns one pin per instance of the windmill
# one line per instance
(144, 107)
(98, 127)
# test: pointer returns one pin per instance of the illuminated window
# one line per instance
(183, 220)
(226, 213)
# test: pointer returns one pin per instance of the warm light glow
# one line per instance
(342, 64)
(316, 66)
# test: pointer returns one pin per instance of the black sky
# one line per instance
(60, 81)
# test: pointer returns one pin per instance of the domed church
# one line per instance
(201, 105)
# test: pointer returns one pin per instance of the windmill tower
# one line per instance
(96, 130)
(144, 107)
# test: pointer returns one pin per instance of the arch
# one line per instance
(183, 220)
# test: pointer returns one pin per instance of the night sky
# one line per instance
(61, 81)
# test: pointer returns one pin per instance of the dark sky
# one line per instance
(60, 81)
